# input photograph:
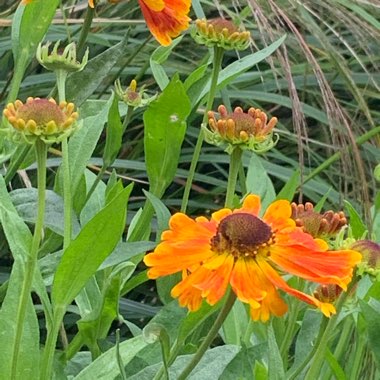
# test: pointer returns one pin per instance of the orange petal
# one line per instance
(271, 304)
(277, 215)
(330, 267)
(219, 215)
(214, 284)
(279, 282)
(245, 281)
(169, 22)
(155, 5)
(251, 204)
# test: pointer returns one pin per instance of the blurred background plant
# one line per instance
(322, 84)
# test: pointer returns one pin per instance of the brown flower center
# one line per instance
(242, 234)
(220, 23)
(41, 111)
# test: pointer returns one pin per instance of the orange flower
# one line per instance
(166, 19)
(240, 249)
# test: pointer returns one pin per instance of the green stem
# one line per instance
(358, 358)
(293, 374)
(94, 185)
(235, 159)
(242, 179)
(217, 64)
(41, 154)
(49, 350)
(85, 29)
(344, 338)
(319, 355)
(359, 141)
(67, 202)
(61, 76)
(229, 303)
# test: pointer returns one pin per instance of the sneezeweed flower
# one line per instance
(318, 225)
(327, 293)
(249, 130)
(220, 32)
(166, 19)
(41, 118)
(60, 60)
(247, 252)
(131, 96)
(371, 257)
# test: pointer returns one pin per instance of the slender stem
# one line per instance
(235, 158)
(344, 338)
(85, 29)
(290, 326)
(49, 350)
(217, 64)
(61, 76)
(94, 185)
(242, 179)
(319, 356)
(41, 154)
(293, 375)
(229, 303)
(67, 202)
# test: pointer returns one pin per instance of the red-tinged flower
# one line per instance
(247, 252)
(166, 19)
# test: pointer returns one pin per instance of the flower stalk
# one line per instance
(31, 263)
(217, 64)
(235, 160)
(228, 304)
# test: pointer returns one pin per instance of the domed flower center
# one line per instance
(243, 122)
(220, 23)
(41, 111)
(242, 234)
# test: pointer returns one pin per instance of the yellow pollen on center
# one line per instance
(243, 235)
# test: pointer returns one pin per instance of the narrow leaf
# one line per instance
(84, 255)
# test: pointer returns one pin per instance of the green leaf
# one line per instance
(162, 213)
(258, 182)
(158, 57)
(78, 263)
(80, 85)
(105, 367)
(372, 317)
(235, 325)
(26, 201)
(290, 187)
(96, 324)
(165, 127)
(29, 354)
(83, 143)
(276, 366)
(236, 68)
(356, 223)
(114, 133)
(19, 239)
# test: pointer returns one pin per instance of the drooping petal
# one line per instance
(329, 267)
(279, 282)
(271, 304)
(246, 283)
(214, 285)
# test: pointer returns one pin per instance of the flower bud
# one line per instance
(56, 60)
(318, 225)
(249, 130)
(371, 257)
(41, 118)
(131, 96)
(220, 32)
